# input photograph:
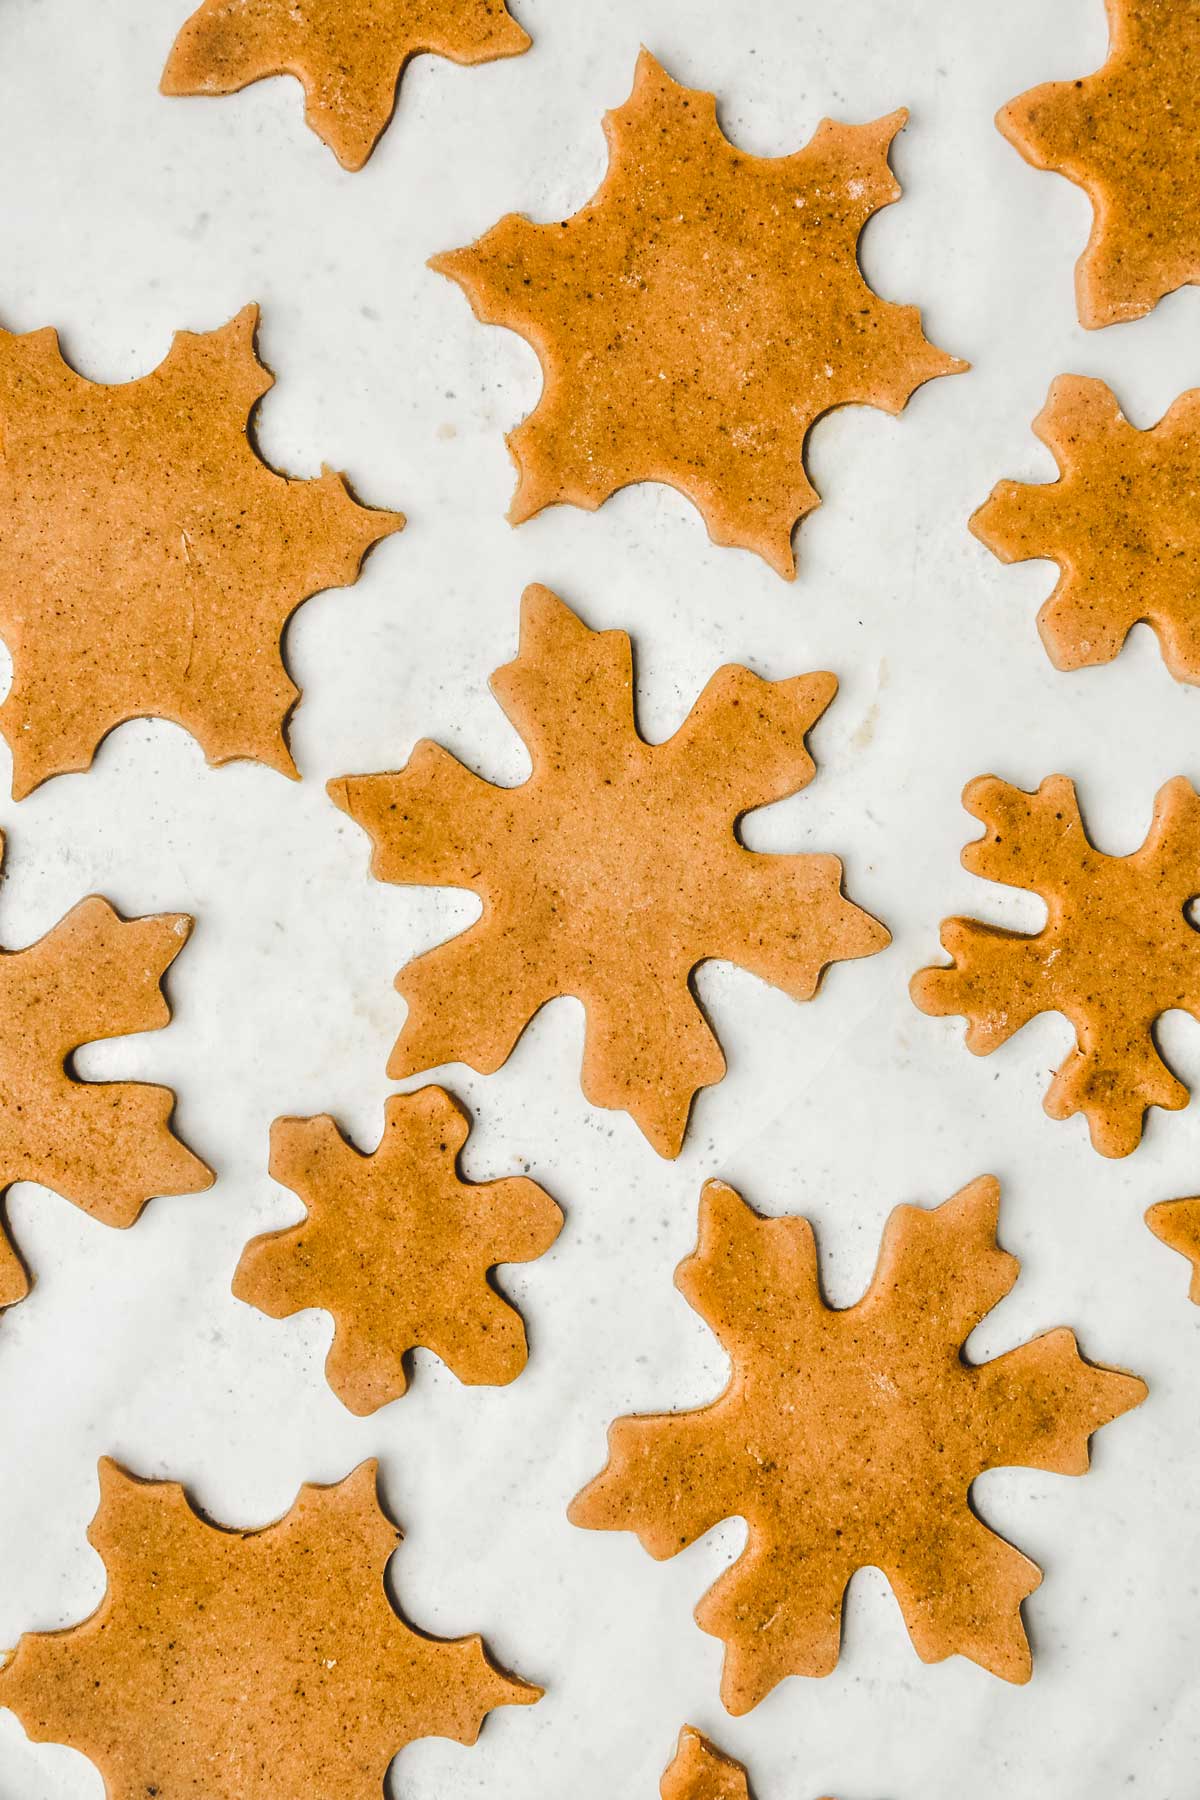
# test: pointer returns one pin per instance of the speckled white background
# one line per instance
(126, 216)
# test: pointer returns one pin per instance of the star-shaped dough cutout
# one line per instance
(348, 55)
(611, 872)
(1117, 950)
(699, 315)
(107, 1146)
(1177, 1223)
(1121, 522)
(1129, 136)
(247, 1665)
(851, 1439)
(398, 1247)
(149, 558)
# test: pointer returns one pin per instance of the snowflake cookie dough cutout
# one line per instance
(699, 1771)
(1121, 522)
(398, 1247)
(612, 872)
(1129, 136)
(107, 1146)
(1116, 951)
(851, 1438)
(149, 558)
(247, 1665)
(348, 55)
(698, 316)
(1177, 1223)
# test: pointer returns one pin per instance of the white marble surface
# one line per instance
(126, 216)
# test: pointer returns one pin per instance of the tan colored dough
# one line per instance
(699, 1771)
(398, 1248)
(1177, 1223)
(1121, 522)
(107, 1146)
(698, 315)
(1117, 949)
(348, 55)
(149, 558)
(852, 1438)
(611, 872)
(247, 1665)
(1129, 136)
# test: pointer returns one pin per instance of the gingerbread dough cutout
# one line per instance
(107, 1146)
(149, 558)
(347, 55)
(611, 872)
(1177, 1223)
(1129, 136)
(1116, 951)
(397, 1246)
(247, 1665)
(1121, 523)
(699, 1771)
(698, 316)
(851, 1438)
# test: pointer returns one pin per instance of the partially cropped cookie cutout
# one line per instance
(149, 558)
(612, 872)
(107, 1146)
(1121, 522)
(1177, 1223)
(698, 315)
(1129, 136)
(398, 1247)
(226, 1664)
(852, 1438)
(1117, 950)
(699, 1771)
(347, 55)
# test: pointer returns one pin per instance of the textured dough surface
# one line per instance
(398, 1248)
(347, 55)
(611, 872)
(850, 1439)
(1129, 136)
(247, 1665)
(698, 315)
(1117, 949)
(149, 558)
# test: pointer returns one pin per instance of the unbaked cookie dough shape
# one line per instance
(849, 1439)
(1121, 522)
(247, 1665)
(1177, 1223)
(612, 872)
(348, 55)
(1129, 136)
(398, 1247)
(149, 558)
(1117, 949)
(698, 315)
(107, 1146)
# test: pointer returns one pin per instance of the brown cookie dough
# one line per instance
(699, 315)
(1121, 522)
(1129, 136)
(1177, 1223)
(149, 558)
(247, 1665)
(398, 1248)
(1116, 951)
(348, 55)
(848, 1439)
(107, 1146)
(611, 872)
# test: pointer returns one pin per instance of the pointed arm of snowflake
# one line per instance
(187, 624)
(196, 1616)
(1177, 1223)
(348, 55)
(612, 872)
(398, 1248)
(1040, 1404)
